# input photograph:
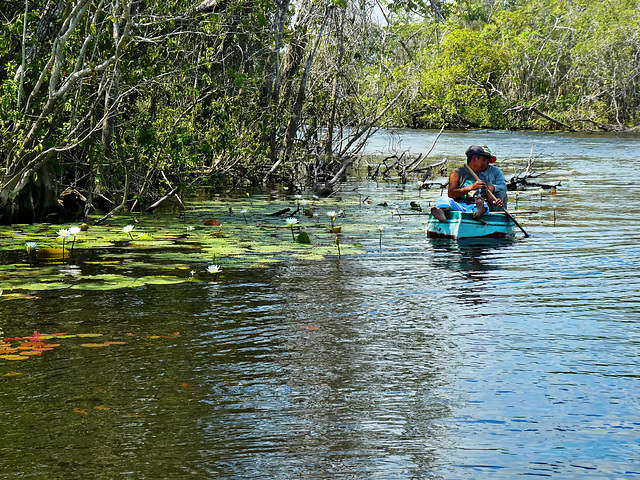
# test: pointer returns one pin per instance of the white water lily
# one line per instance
(332, 214)
(381, 228)
(64, 233)
(31, 246)
(73, 231)
(292, 222)
(190, 228)
(214, 269)
(128, 229)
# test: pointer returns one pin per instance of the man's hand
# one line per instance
(478, 185)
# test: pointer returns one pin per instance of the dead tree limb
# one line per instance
(430, 168)
(533, 109)
(413, 167)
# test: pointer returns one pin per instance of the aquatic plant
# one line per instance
(171, 256)
(332, 214)
(380, 229)
(292, 222)
(64, 234)
(303, 238)
(128, 229)
(74, 231)
(31, 247)
(214, 270)
(244, 214)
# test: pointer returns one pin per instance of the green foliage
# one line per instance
(458, 84)
(207, 97)
(572, 59)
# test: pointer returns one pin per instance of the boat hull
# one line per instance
(463, 225)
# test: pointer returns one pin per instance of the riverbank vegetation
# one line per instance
(120, 105)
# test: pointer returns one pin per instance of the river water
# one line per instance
(416, 360)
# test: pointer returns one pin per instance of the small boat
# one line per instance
(463, 225)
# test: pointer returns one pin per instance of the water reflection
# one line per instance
(467, 255)
(420, 359)
(469, 268)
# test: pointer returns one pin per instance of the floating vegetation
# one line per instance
(167, 249)
(35, 345)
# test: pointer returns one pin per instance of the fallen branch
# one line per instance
(533, 109)
(415, 164)
(430, 168)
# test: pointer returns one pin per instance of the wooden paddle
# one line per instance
(493, 197)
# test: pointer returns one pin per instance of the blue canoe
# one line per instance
(463, 225)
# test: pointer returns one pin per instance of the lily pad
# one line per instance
(106, 258)
(303, 237)
(52, 253)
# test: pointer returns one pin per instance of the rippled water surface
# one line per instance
(417, 360)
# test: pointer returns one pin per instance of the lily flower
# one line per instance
(31, 246)
(214, 270)
(128, 229)
(332, 214)
(292, 222)
(64, 234)
(73, 231)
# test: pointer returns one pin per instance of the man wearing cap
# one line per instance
(465, 194)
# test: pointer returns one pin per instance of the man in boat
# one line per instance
(465, 194)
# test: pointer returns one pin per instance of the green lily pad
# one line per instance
(104, 257)
(303, 237)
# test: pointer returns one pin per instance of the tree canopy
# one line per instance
(117, 104)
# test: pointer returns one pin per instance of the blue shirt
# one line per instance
(493, 176)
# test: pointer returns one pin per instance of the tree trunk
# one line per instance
(294, 124)
(336, 78)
